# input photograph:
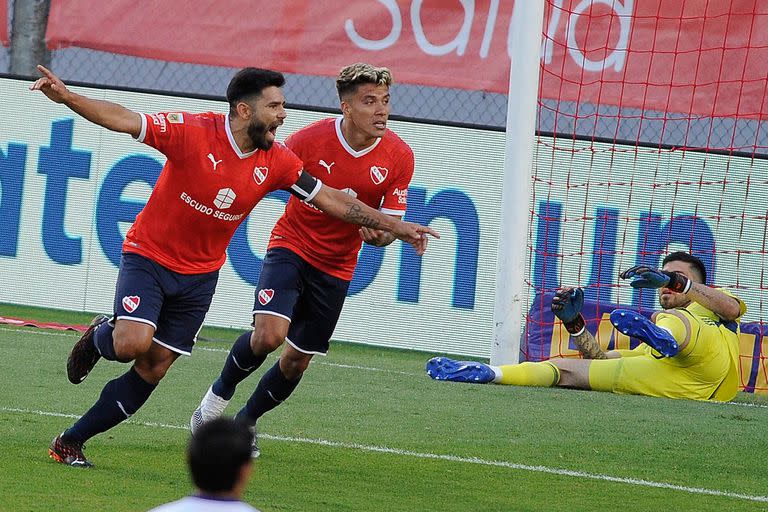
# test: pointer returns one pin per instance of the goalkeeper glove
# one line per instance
(644, 276)
(566, 305)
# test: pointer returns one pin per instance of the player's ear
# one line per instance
(243, 110)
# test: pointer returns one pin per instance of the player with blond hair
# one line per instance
(311, 257)
(218, 167)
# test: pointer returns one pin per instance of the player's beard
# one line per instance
(672, 300)
(257, 132)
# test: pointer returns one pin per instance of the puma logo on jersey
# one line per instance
(213, 161)
(327, 166)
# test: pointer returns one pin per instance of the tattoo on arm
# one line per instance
(588, 346)
(355, 215)
(714, 300)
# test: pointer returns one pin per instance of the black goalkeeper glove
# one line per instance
(566, 305)
(644, 276)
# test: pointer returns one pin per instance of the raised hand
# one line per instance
(643, 276)
(50, 85)
(566, 305)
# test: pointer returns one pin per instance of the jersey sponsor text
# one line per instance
(209, 210)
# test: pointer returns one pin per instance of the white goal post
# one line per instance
(524, 47)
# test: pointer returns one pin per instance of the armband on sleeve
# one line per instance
(306, 187)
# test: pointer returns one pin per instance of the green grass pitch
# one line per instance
(367, 430)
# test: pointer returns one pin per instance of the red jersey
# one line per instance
(378, 176)
(205, 190)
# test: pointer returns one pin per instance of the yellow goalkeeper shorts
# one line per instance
(696, 373)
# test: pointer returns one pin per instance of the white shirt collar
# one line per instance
(232, 142)
(356, 154)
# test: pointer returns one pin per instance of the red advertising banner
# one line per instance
(665, 55)
(4, 39)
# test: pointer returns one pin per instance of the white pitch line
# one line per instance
(322, 363)
(365, 368)
(449, 458)
(742, 404)
(40, 331)
(226, 351)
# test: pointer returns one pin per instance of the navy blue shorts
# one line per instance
(310, 299)
(174, 304)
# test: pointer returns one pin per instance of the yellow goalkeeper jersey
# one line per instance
(706, 369)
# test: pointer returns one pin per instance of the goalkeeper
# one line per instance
(690, 348)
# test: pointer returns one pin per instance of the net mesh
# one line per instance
(652, 139)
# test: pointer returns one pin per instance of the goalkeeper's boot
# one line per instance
(636, 325)
(443, 368)
(84, 354)
(70, 453)
(211, 407)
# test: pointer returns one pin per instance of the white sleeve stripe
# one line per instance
(143, 132)
(389, 211)
(307, 195)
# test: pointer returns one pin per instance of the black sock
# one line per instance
(119, 399)
(102, 339)
(273, 389)
(240, 363)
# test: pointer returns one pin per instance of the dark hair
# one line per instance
(250, 82)
(695, 262)
(217, 452)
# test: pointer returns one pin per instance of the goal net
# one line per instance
(651, 138)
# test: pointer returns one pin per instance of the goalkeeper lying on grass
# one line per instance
(690, 348)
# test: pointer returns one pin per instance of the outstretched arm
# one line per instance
(342, 206)
(377, 237)
(566, 305)
(721, 304)
(104, 113)
(590, 348)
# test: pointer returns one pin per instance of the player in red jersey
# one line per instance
(218, 168)
(311, 257)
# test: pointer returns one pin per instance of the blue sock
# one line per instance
(273, 389)
(240, 363)
(102, 339)
(119, 399)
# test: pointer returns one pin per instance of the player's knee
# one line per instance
(130, 342)
(676, 324)
(265, 340)
(151, 371)
(294, 367)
